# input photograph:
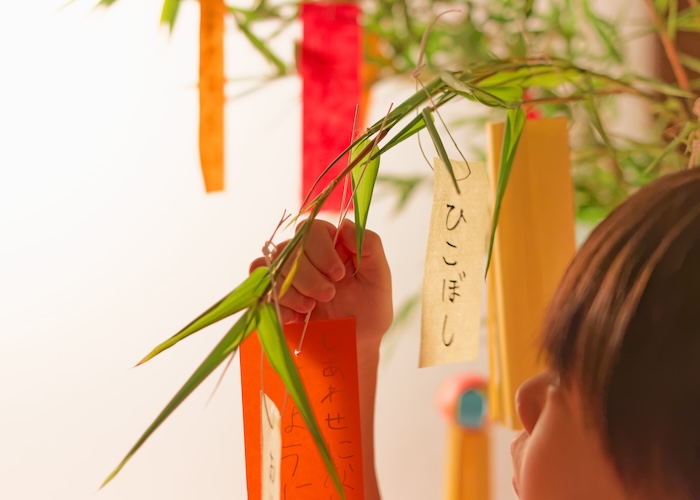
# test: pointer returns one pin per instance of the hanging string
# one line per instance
(416, 75)
(343, 213)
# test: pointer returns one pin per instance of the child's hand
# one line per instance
(326, 281)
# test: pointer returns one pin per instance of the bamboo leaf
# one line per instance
(605, 30)
(682, 136)
(506, 96)
(412, 128)
(690, 62)
(169, 13)
(227, 346)
(664, 88)
(277, 352)
(671, 19)
(462, 88)
(240, 298)
(527, 7)
(547, 77)
(513, 130)
(364, 177)
(428, 119)
(404, 186)
(689, 19)
(261, 47)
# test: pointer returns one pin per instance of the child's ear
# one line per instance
(531, 398)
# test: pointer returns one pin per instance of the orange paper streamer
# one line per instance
(328, 367)
(211, 93)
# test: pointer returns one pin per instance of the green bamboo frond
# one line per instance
(673, 145)
(437, 142)
(227, 346)
(513, 130)
(169, 13)
(364, 177)
(275, 348)
(242, 297)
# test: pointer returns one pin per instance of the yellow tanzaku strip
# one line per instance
(535, 242)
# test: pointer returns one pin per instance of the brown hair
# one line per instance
(624, 325)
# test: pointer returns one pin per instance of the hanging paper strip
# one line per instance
(211, 93)
(454, 265)
(328, 367)
(331, 56)
(535, 241)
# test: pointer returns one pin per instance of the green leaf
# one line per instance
(605, 30)
(413, 127)
(513, 130)
(661, 6)
(664, 88)
(261, 47)
(275, 347)
(240, 298)
(690, 62)
(682, 136)
(226, 347)
(689, 19)
(428, 119)
(671, 19)
(527, 7)
(545, 77)
(508, 96)
(364, 176)
(169, 14)
(106, 3)
(404, 186)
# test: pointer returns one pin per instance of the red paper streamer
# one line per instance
(331, 56)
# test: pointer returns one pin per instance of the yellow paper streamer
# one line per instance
(535, 241)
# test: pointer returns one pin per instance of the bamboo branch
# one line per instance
(669, 47)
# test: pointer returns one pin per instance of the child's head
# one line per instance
(622, 338)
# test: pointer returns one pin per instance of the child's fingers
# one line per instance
(371, 244)
(259, 262)
(292, 298)
(296, 301)
(321, 253)
(290, 316)
(312, 283)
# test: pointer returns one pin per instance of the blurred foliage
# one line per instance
(465, 34)
(607, 166)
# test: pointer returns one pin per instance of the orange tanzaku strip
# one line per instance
(535, 241)
(327, 365)
(211, 93)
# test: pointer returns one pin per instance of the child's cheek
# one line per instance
(545, 466)
(517, 452)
